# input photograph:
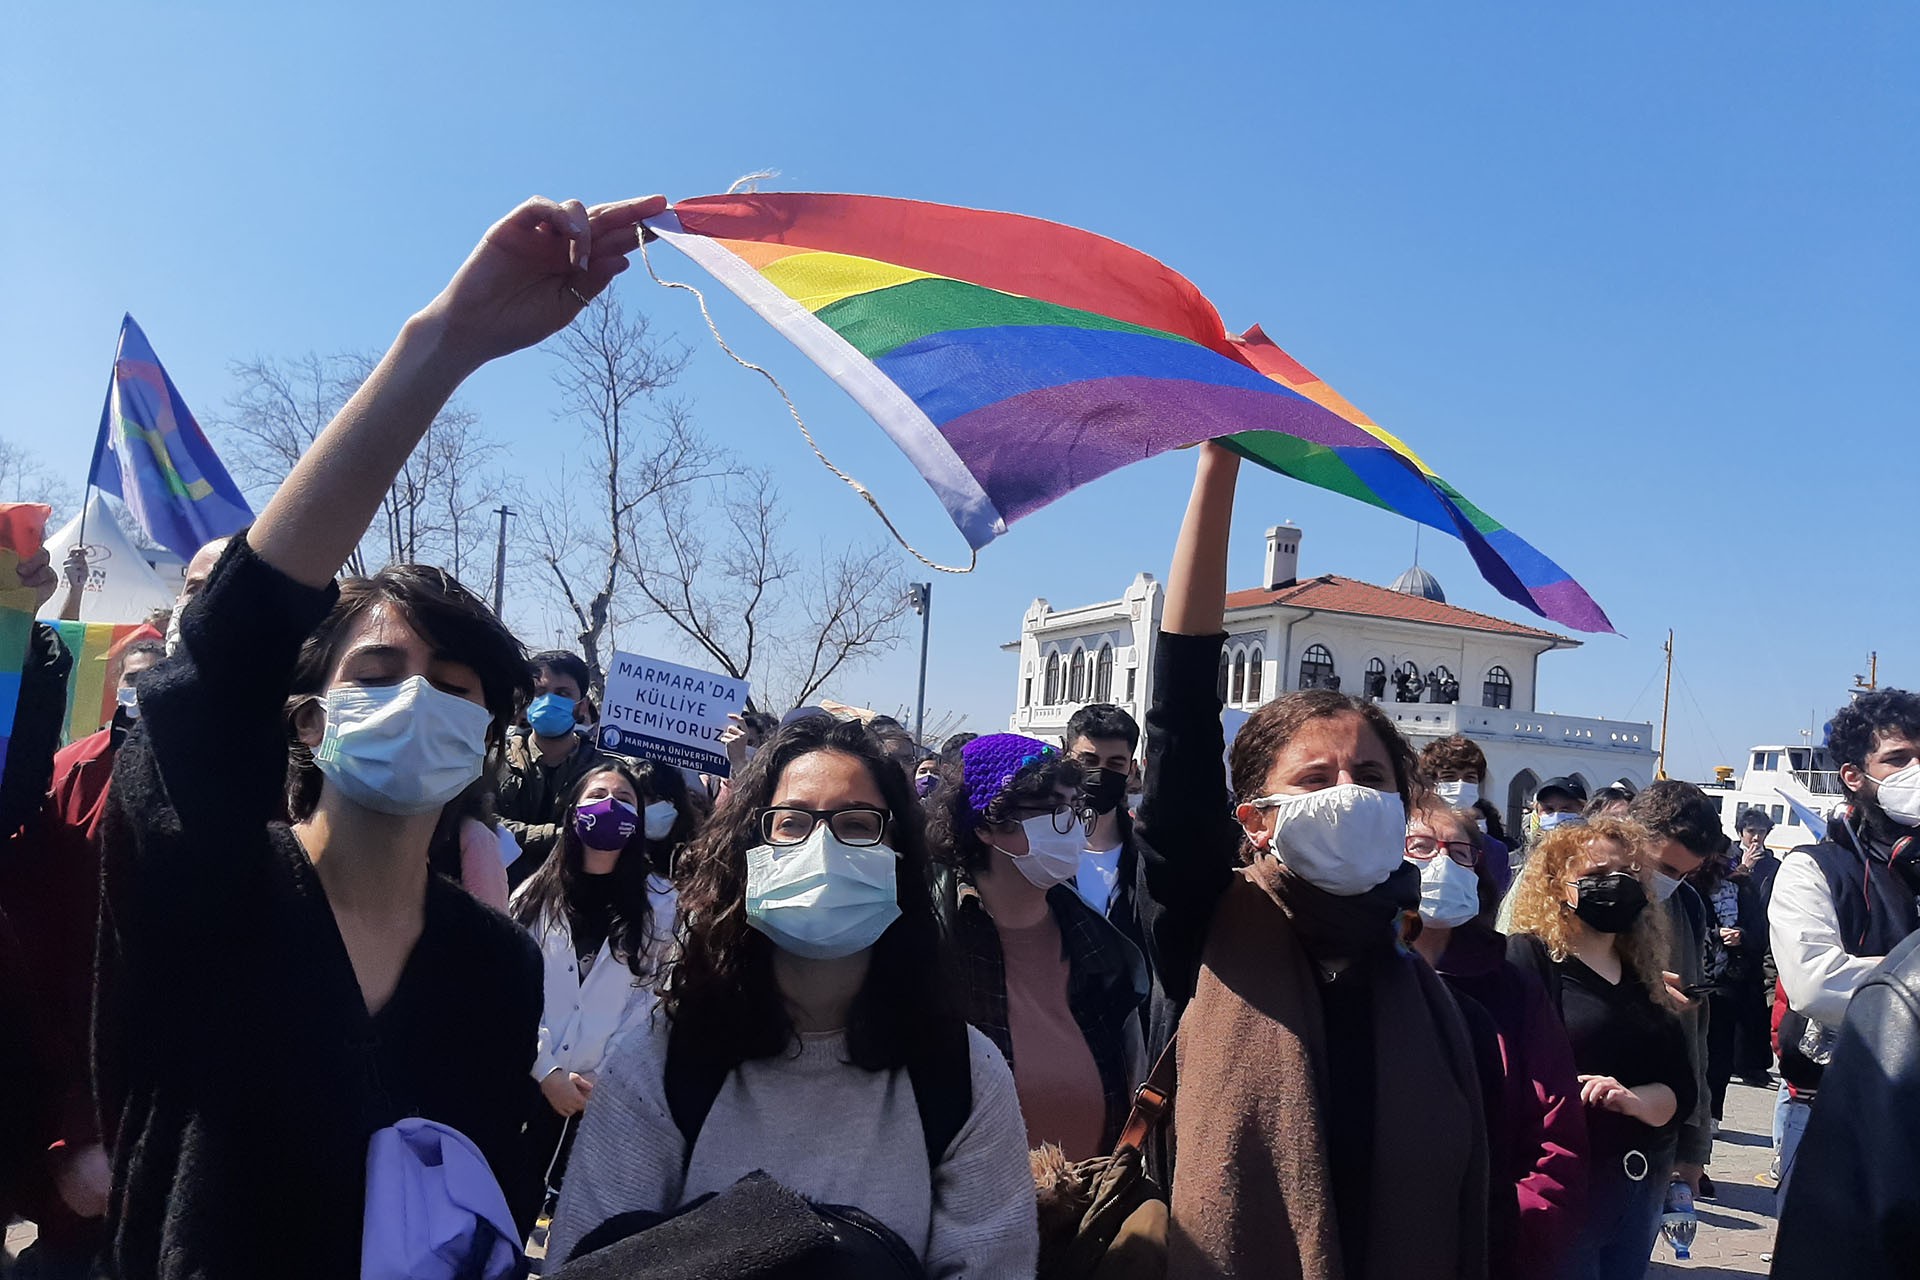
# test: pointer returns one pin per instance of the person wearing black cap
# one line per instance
(1557, 802)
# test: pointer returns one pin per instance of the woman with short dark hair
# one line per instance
(288, 991)
(811, 1030)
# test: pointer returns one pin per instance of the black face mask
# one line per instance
(1610, 903)
(1104, 790)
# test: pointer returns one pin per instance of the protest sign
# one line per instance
(671, 714)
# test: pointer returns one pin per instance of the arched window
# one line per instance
(1408, 683)
(1103, 675)
(1316, 667)
(1256, 674)
(1226, 664)
(1441, 686)
(1077, 677)
(1376, 686)
(1498, 690)
(1052, 696)
(1239, 676)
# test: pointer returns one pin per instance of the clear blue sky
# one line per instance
(1640, 279)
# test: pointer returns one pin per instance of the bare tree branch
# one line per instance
(25, 478)
(281, 406)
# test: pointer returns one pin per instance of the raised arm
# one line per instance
(1187, 835)
(527, 279)
(1197, 582)
(213, 739)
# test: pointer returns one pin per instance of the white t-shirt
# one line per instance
(1099, 877)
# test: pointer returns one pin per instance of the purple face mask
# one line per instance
(605, 824)
(925, 783)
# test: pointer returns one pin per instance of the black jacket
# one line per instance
(1853, 1208)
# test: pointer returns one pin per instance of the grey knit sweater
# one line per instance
(833, 1132)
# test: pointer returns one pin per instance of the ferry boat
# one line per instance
(1797, 787)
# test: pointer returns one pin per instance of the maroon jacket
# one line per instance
(1538, 1141)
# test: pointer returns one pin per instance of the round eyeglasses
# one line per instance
(1066, 815)
(857, 825)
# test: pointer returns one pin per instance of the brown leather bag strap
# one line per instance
(1151, 1101)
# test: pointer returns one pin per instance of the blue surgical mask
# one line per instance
(822, 899)
(1548, 821)
(660, 817)
(404, 748)
(551, 715)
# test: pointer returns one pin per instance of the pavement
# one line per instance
(1736, 1228)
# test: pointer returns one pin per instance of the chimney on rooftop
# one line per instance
(1283, 556)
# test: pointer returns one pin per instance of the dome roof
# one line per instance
(1418, 582)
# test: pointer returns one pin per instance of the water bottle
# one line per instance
(1678, 1223)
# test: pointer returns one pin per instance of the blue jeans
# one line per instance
(1623, 1219)
(1790, 1115)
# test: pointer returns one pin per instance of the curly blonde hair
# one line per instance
(1540, 903)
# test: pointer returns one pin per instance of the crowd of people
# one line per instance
(344, 950)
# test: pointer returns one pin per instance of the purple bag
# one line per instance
(434, 1210)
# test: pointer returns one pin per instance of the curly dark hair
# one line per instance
(1269, 729)
(1679, 811)
(953, 828)
(1858, 727)
(720, 991)
(546, 898)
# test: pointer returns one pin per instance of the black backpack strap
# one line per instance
(692, 1082)
(942, 1081)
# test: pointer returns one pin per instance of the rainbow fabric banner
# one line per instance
(91, 689)
(1014, 360)
(22, 527)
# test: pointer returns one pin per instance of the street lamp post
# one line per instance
(920, 596)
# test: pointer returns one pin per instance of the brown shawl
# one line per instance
(1251, 1194)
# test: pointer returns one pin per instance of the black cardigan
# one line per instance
(245, 1070)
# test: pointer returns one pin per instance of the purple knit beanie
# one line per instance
(989, 765)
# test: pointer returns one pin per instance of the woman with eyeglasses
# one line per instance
(1581, 923)
(1055, 986)
(1536, 1126)
(810, 1030)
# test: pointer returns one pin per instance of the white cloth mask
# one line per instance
(1460, 796)
(404, 748)
(1052, 857)
(1449, 892)
(659, 818)
(127, 698)
(1345, 839)
(1899, 795)
(822, 899)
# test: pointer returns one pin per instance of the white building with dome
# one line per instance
(1435, 668)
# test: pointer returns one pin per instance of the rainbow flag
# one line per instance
(22, 527)
(153, 456)
(1014, 360)
(93, 686)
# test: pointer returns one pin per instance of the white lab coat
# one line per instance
(578, 1020)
